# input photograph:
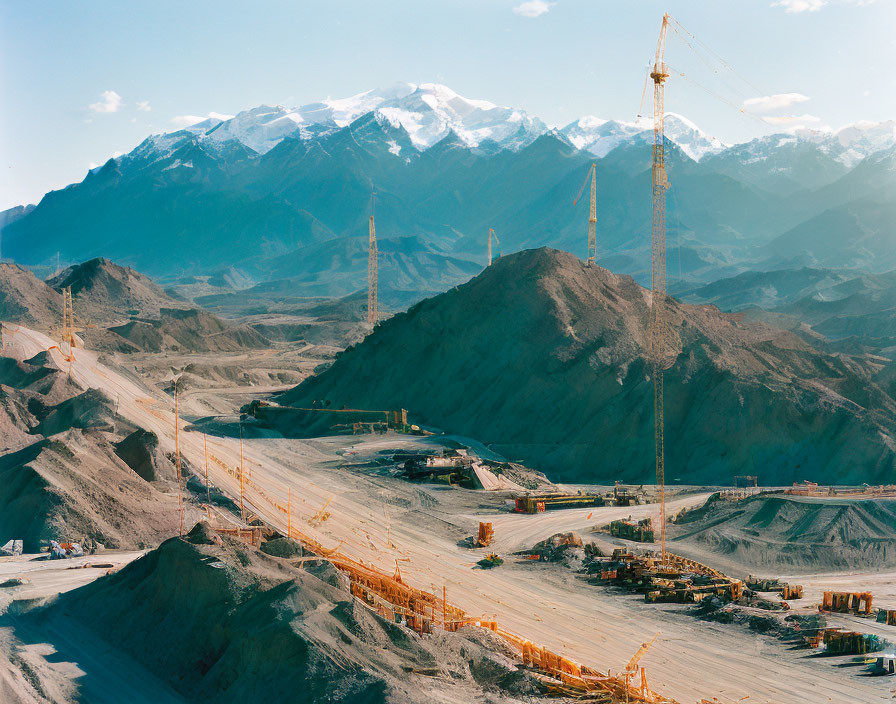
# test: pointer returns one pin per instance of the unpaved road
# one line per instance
(692, 659)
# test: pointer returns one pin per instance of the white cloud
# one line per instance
(144, 106)
(110, 102)
(533, 8)
(92, 165)
(189, 120)
(792, 120)
(793, 6)
(768, 103)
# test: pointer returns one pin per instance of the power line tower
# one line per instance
(372, 276)
(658, 323)
(592, 216)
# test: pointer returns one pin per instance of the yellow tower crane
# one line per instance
(658, 322)
(592, 217)
(491, 233)
(372, 276)
(68, 319)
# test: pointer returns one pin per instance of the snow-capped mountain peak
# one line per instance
(429, 112)
(600, 137)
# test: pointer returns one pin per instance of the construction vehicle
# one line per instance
(490, 561)
(537, 503)
(625, 496)
(592, 216)
(786, 591)
(641, 532)
(884, 665)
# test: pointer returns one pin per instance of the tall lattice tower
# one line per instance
(592, 215)
(372, 277)
(658, 322)
(491, 233)
(68, 319)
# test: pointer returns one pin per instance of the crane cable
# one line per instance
(718, 58)
(675, 28)
(715, 95)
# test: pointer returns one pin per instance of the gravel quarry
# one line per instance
(388, 522)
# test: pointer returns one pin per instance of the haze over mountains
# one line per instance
(282, 195)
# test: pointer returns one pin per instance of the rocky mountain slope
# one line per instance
(267, 185)
(542, 358)
(27, 300)
(72, 468)
(118, 308)
(106, 292)
(849, 309)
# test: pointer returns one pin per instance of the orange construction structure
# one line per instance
(846, 602)
(486, 533)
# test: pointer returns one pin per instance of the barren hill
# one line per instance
(543, 359)
(795, 533)
(26, 299)
(107, 292)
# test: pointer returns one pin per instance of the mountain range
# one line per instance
(282, 196)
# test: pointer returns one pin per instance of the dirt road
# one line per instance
(692, 659)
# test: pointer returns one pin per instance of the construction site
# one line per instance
(204, 523)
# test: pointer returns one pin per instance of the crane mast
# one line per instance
(491, 233)
(592, 219)
(657, 341)
(372, 276)
(592, 216)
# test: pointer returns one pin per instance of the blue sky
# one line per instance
(84, 80)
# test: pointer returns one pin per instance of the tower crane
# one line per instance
(491, 233)
(592, 217)
(372, 275)
(658, 323)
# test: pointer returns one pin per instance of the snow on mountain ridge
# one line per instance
(429, 112)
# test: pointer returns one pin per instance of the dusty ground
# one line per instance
(32, 671)
(598, 626)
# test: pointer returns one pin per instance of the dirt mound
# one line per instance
(74, 486)
(222, 622)
(140, 451)
(188, 330)
(793, 534)
(27, 300)
(90, 410)
(72, 482)
(105, 292)
(543, 359)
